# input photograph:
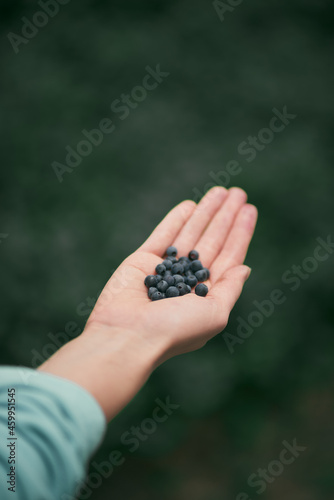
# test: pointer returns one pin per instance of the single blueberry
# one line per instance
(157, 296)
(168, 264)
(193, 255)
(201, 290)
(196, 265)
(201, 275)
(171, 251)
(178, 279)
(151, 291)
(207, 272)
(182, 288)
(160, 269)
(172, 291)
(158, 277)
(167, 273)
(150, 280)
(191, 280)
(162, 286)
(177, 268)
(189, 289)
(172, 259)
(170, 280)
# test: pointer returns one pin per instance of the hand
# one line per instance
(220, 228)
(127, 335)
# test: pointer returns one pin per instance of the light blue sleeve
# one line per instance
(58, 426)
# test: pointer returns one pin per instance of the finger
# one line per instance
(235, 249)
(166, 232)
(205, 210)
(228, 289)
(214, 237)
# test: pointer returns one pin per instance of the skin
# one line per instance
(127, 335)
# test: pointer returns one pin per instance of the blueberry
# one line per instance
(189, 289)
(177, 268)
(172, 259)
(201, 275)
(182, 288)
(178, 279)
(184, 260)
(201, 290)
(172, 291)
(170, 280)
(162, 286)
(191, 280)
(196, 265)
(168, 264)
(160, 269)
(151, 291)
(158, 277)
(157, 296)
(193, 255)
(207, 272)
(150, 280)
(167, 273)
(171, 251)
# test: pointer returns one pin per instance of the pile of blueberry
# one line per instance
(177, 277)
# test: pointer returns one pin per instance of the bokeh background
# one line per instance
(64, 239)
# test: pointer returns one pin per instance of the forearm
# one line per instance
(111, 364)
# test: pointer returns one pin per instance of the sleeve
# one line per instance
(58, 425)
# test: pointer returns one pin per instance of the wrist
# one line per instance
(111, 363)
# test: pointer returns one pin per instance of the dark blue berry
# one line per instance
(171, 251)
(196, 265)
(151, 291)
(150, 280)
(172, 291)
(158, 277)
(178, 279)
(160, 269)
(172, 259)
(162, 286)
(201, 290)
(167, 273)
(157, 296)
(170, 280)
(182, 288)
(189, 289)
(193, 255)
(207, 272)
(191, 280)
(201, 275)
(168, 264)
(177, 268)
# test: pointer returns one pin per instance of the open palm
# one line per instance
(220, 227)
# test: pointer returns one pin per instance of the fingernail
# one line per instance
(249, 272)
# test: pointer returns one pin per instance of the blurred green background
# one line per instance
(64, 239)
